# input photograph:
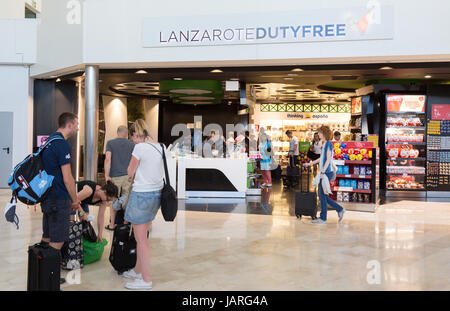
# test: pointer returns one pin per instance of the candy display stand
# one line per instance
(355, 184)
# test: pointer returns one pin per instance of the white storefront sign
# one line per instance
(370, 22)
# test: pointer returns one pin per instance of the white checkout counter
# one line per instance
(211, 178)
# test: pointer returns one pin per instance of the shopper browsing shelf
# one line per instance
(293, 149)
(337, 136)
(265, 147)
(315, 150)
(146, 170)
(325, 175)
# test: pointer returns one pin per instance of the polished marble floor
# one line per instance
(404, 245)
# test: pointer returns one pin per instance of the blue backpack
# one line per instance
(29, 181)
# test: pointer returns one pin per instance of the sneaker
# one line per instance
(318, 221)
(263, 186)
(269, 185)
(130, 274)
(341, 214)
(139, 284)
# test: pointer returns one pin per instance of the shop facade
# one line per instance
(94, 36)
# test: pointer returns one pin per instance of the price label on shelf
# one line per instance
(339, 162)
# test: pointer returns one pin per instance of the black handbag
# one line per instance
(169, 202)
(88, 231)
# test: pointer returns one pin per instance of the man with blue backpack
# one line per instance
(59, 202)
(45, 177)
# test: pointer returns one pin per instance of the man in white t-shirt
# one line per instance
(293, 149)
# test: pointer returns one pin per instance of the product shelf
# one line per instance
(347, 189)
(405, 143)
(400, 159)
(405, 174)
(406, 189)
(406, 127)
(353, 176)
(403, 112)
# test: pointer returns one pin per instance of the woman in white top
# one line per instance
(315, 150)
(146, 171)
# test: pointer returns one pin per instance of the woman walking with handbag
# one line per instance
(325, 175)
(146, 171)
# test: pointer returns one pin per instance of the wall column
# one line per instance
(91, 123)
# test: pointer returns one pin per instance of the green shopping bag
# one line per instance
(93, 251)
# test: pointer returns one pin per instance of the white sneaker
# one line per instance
(341, 214)
(269, 185)
(130, 274)
(139, 284)
(318, 221)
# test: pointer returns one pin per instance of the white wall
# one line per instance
(16, 8)
(12, 9)
(17, 52)
(112, 35)
(151, 110)
(18, 39)
(60, 44)
(115, 110)
(14, 91)
(417, 31)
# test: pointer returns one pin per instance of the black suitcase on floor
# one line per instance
(44, 269)
(123, 249)
(305, 201)
(72, 250)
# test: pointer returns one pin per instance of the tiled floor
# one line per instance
(231, 246)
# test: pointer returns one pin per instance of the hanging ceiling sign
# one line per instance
(370, 22)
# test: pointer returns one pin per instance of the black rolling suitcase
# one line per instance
(123, 249)
(305, 201)
(44, 270)
(72, 250)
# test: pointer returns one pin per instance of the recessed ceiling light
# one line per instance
(292, 74)
(216, 71)
(288, 78)
(427, 77)
(297, 69)
(178, 79)
(58, 80)
(141, 72)
(234, 79)
(386, 68)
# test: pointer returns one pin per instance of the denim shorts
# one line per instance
(142, 207)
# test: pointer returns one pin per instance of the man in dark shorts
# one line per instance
(118, 157)
(62, 198)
